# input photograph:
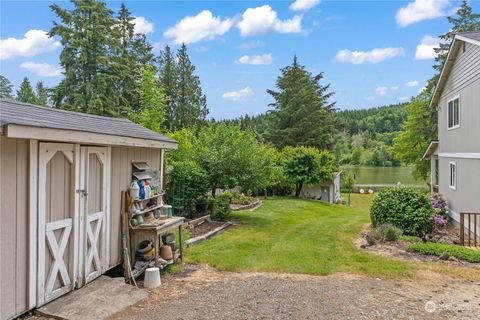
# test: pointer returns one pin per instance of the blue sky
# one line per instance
(372, 52)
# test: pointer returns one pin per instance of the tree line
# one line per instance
(111, 70)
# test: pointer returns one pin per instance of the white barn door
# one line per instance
(94, 208)
(57, 225)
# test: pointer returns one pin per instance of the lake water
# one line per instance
(384, 176)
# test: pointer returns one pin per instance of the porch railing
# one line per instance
(469, 235)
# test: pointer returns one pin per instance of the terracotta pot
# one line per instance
(166, 252)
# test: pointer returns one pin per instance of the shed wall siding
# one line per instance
(464, 80)
(122, 158)
(13, 226)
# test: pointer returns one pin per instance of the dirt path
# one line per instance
(201, 292)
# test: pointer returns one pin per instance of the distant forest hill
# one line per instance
(362, 137)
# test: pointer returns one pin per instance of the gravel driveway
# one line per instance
(201, 292)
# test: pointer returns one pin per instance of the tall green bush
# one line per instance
(192, 181)
(406, 208)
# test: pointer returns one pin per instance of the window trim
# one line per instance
(448, 113)
(454, 164)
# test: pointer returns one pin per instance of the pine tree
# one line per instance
(191, 105)
(89, 42)
(168, 80)
(302, 114)
(134, 53)
(25, 92)
(41, 94)
(464, 21)
(5, 88)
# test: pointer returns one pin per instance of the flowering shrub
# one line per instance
(405, 208)
(440, 212)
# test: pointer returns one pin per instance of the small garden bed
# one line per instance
(255, 203)
(445, 251)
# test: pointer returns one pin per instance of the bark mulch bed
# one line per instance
(398, 250)
(205, 228)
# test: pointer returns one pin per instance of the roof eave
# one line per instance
(447, 66)
(430, 149)
(73, 136)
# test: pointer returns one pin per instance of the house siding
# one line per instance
(464, 80)
(14, 186)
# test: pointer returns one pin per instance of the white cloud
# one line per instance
(142, 25)
(403, 99)
(369, 98)
(375, 56)
(240, 95)
(255, 60)
(381, 91)
(33, 43)
(201, 49)
(196, 28)
(263, 19)
(425, 50)
(394, 88)
(42, 69)
(420, 10)
(412, 83)
(251, 45)
(303, 4)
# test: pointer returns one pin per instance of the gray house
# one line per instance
(455, 157)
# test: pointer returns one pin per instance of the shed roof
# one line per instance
(29, 115)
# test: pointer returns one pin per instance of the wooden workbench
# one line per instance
(153, 233)
(153, 229)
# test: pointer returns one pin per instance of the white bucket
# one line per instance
(152, 278)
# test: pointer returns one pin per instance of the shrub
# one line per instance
(188, 181)
(242, 199)
(406, 208)
(411, 239)
(437, 249)
(220, 206)
(386, 232)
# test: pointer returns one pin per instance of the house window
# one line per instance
(452, 172)
(453, 113)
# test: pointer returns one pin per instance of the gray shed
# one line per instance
(329, 191)
(61, 177)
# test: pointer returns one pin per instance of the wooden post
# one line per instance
(462, 228)
(181, 242)
(469, 226)
(475, 230)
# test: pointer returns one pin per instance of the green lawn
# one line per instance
(298, 236)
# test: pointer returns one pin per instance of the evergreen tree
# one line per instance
(25, 92)
(464, 21)
(134, 53)
(191, 104)
(89, 42)
(168, 80)
(302, 112)
(5, 88)
(41, 94)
